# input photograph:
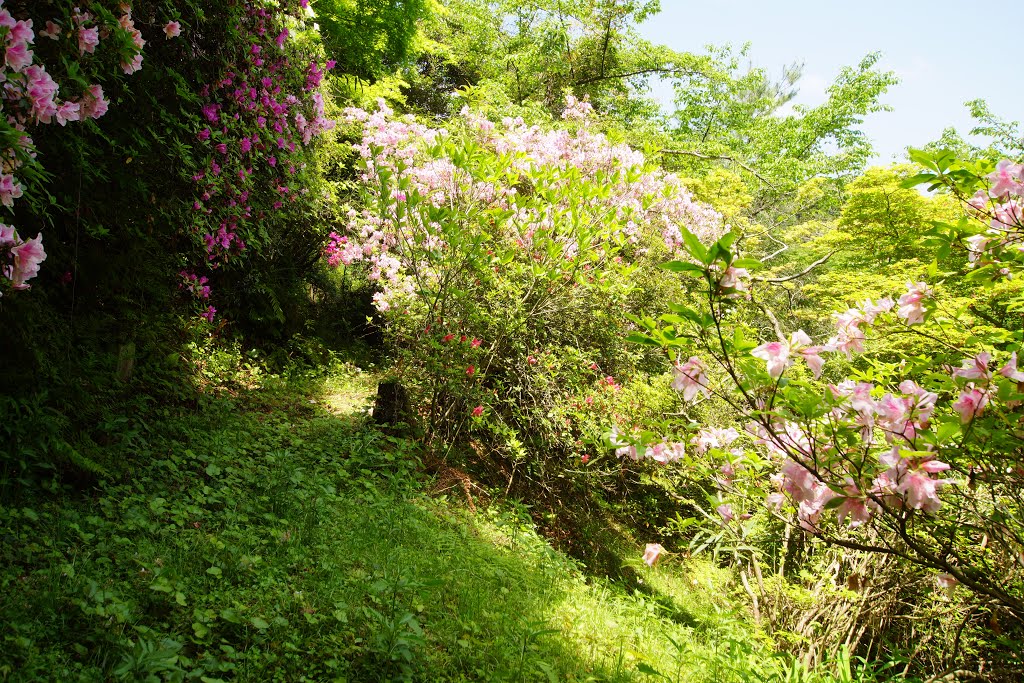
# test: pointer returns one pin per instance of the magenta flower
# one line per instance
(172, 30)
(478, 411)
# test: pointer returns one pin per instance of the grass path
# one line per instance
(274, 537)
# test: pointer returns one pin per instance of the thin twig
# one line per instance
(805, 271)
(714, 157)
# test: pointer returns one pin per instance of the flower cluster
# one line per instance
(405, 163)
(1001, 206)
(20, 259)
(255, 121)
(32, 97)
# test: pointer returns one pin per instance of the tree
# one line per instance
(370, 38)
(536, 52)
(886, 217)
(728, 115)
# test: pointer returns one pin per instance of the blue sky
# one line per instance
(945, 54)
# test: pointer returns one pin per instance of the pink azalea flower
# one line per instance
(690, 378)
(911, 309)
(93, 104)
(975, 368)
(976, 247)
(1005, 179)
(475, 343)
(88, 39)
(478, 411)
(6, 235)
(10, 189)
(172, 30)
(725, 511)
(777, 355)
(21, 32)
(471, 370)
(652, 553)
(714, 437)
(920, 490)
(1010, 371)
(27, 257)
(51, 31)
(733, 278)
(970, 404)
(18, 56)
(132, 66)
(68, 111)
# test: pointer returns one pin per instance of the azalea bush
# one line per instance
(69, 47)
(168, 154)
(256, 172)
(918, 459)
(504, 255)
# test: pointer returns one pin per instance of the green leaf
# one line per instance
(833, 503)
(748, 263)
(259, 623)
(727, 240)
(231, 616)
(649, 670)
(682, 267)
(637, 338)
(694, 246)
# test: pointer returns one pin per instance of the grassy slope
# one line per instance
(271, 536)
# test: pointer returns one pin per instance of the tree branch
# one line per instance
(713, 157)
(630, 74)
(805, 271)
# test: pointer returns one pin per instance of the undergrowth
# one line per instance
(269, 534)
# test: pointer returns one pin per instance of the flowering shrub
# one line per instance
(257, 118)
(504, 255)
(32, 97)
(920, 459)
